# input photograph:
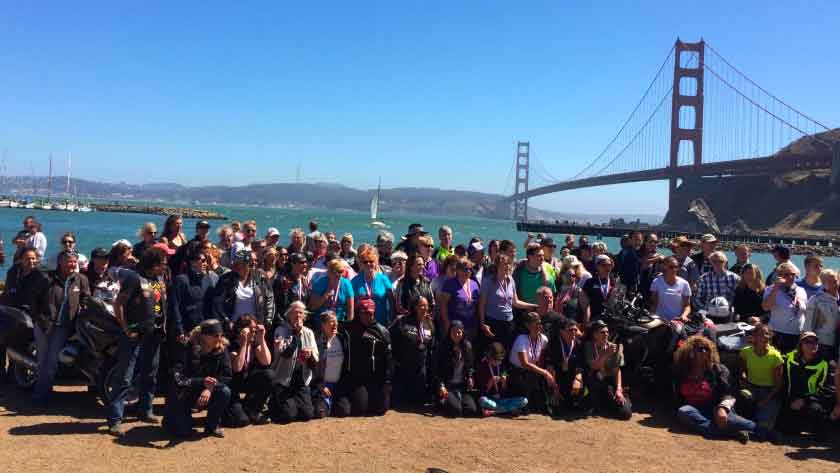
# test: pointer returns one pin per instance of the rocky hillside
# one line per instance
(792, 203)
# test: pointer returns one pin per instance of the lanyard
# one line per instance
(508, 297)
(534, 349)
(605, 287)
(571, 349)
(334, 298)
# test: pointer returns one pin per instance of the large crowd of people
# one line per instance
(256, 330)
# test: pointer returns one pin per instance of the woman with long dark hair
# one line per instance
(173, 231)
(454, 373)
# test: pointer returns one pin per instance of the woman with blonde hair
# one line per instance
(748, 293)
(148, 235)
(333, 292)
(371, 283)
(200, 382)
(704, 391)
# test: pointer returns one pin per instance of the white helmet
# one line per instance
(718, 308)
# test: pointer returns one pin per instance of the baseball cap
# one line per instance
(805, 335)
(272, 232)
(99, 253)
(602, 259)
(202, 224)
(475, 248)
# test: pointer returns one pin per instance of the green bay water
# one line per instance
(104, 228)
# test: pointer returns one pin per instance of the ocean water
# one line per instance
(104, 228)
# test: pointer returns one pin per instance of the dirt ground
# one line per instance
(69, 437)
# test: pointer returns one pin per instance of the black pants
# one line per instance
(602, 401)
(459, 402)
(336, 405)
(813, 417)
(785, 342)
(177, 418)
(504, 332)
(257, 387)
(530, 385)
(411, 385)
(292, 404)
(369, 399)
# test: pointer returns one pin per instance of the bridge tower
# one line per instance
(680, 101)
(523, 162)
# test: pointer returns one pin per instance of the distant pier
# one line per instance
(184, 212)
(617, 232)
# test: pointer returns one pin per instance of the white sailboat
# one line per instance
(374, 207)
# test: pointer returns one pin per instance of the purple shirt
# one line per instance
(463, 305)
(431, 270)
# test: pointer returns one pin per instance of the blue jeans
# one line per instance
(701, 421)
(141, 356)
(48, 346)
(765, 416)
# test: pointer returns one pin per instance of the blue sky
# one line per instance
(421, 93)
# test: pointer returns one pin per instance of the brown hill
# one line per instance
(797, 203)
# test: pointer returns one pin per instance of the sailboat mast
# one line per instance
(67, 190)
(49, 182)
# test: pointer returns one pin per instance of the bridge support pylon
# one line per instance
(523, 162)
(686, 70)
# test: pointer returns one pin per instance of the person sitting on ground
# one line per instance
(748, 294)
(822, 315)
(529, 377)
(369, 371)
(328, 396)
(492, 384)
(413, 339)
(200, 381)
(761, 377)
(806, 403)
(252, 373)
(295, 357)
(605, 360)
(565, 360)
(786, 303)
(454, 373)
(811, 281)
(670, 295)
(705, 392)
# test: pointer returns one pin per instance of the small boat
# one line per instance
(5, 203)
(84, 208)
(30, 205)
(70, 207)
(45, 206)
(374, 207)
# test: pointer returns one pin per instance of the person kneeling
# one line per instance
(492, 384)
(296, 355)
(328, 397)
(564, 358)
(454, 373)
(201, 381)
(371, 366)
(806, 401)
(704, 390)
(529, 378)
(605, 360)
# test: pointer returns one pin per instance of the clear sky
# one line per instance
(421, 93)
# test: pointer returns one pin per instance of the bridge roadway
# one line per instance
(573, 228)
(753, 166)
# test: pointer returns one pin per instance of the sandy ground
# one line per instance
(69, 437)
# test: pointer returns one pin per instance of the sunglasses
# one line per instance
(68, 242)
(809, 341)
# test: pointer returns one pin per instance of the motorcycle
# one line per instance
(644, 336)
(89, 354)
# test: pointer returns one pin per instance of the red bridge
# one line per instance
(707, 119)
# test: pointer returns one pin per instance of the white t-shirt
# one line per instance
(533, 351)
(333, 361)
(246, 303)
(788, 315)
(670, 298)
(39, 242)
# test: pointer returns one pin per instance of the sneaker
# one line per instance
(148, 418)
(745, 394)
(486, 413)
(217, 432)
(743, 436)
(116, 430)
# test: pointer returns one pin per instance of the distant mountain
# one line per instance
(408, 200)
